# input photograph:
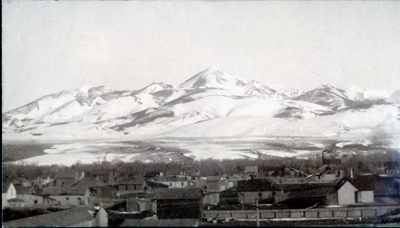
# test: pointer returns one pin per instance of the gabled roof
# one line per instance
(256, 185)
(305, 186)
(6, 186)
(20, 181)
(364, 183)
(87, 182)
(63, 218)
(160, 223)
(179, 193)
(51, 191)
(24, 190)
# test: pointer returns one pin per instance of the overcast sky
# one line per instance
(49, 46)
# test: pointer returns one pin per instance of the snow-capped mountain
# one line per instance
(211, 103)
(214, 77)
(291, 93)
(325, 95)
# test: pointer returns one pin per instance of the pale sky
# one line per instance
(49, 46)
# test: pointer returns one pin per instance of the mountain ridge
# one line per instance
(210, 96)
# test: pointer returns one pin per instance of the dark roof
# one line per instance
(364, 183)
(80, 187)
(24, 190)
(156, 185)
(52, 191)
(16, 200)
(5, 187)
(305, 186)
(256, 185)
(341, 182)
(20, 181)
(169, 178)
(179, 193)
(160, 222)
(62, 218)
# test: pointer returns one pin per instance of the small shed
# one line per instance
(179, 203)
(256, 189)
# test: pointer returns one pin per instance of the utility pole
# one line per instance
(257, 219)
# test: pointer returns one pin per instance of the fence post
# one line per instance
(258, 220)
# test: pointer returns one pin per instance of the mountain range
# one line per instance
(212, 103)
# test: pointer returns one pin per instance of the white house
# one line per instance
(356, 191)
(346, 194)
(8, 192)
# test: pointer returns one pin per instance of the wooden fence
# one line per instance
(314, 213)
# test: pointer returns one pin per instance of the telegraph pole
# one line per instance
(257, 219)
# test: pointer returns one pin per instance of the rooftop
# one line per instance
(179, 193)
(63, 218)
(256, 185)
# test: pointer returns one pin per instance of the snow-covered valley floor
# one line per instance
(180, 149)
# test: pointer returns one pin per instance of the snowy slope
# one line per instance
(212, 103)
(325, 95)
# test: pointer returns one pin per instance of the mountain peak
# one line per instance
(213, 77)
(155, 87)
(213, 69)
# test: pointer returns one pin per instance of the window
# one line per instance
(170, 184)
(35, 201)
(356, 197)
(182, 184)
(67, 198)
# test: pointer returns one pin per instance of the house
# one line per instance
(172, 181)
(229, 196)
(154, 222)
(21, 182)
(154, 185)
(352, 191)
(366, 186)
(211, 198)
(74, 195)
(131, 185)
(29, 195)
(269, 171)
(105, 191)
(179, 203)
(251, 170)
(8, 192)
(256, 189)
(302, 195)
(138, 202)
(84, 216)
(65, 178)
(212, 187)
(42, 182)
(105, 176)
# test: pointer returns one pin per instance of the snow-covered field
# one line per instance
(178, 149)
